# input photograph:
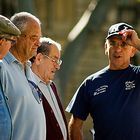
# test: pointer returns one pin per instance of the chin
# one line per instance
(34, 54)
(51, 78)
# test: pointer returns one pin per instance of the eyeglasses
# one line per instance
(58, 61)
(115, 44)
(9, 39)
(32, 37)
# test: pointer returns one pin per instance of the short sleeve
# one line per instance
(79, 105)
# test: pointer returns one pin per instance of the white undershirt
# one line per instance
(50, 97)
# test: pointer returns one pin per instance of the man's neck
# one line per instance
(19, 56)
(36, 72)
(1, 57)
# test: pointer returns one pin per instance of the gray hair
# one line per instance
(45, 43)
(44, 48)
(21, 20)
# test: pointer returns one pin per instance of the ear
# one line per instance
(133, 52)
(38, 58)
(2, 41)
(105, 46)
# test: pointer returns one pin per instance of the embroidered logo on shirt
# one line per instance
(100, 90)
(129, 85)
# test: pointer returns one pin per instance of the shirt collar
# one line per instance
(38, 80)
(9, 58)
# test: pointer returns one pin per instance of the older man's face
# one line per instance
(119, 53)
(29, 42)
(48, 64)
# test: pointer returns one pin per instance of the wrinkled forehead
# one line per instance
(33, 28)
(54, 49)
(116, 37)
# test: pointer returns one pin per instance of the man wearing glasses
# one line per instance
(8, 31)
(27, 114)
(44, 65)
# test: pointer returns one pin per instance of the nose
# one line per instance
(57, 66)
(118, 48)
(37, 43)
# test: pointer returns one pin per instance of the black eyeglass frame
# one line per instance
(8, 39)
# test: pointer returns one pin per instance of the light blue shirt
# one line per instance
(5, 119)
(28, 118)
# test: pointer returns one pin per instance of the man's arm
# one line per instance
(75, 128)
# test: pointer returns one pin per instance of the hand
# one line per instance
(131, 38)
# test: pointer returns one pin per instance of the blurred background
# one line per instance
(80, 26)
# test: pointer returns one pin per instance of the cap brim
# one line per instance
(111, 35)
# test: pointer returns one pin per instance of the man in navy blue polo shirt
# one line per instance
(112, 95)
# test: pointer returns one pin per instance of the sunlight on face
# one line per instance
(5, 45)
(48, 64)
(29, 41)
(119, 53)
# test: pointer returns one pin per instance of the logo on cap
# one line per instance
(116, 28)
